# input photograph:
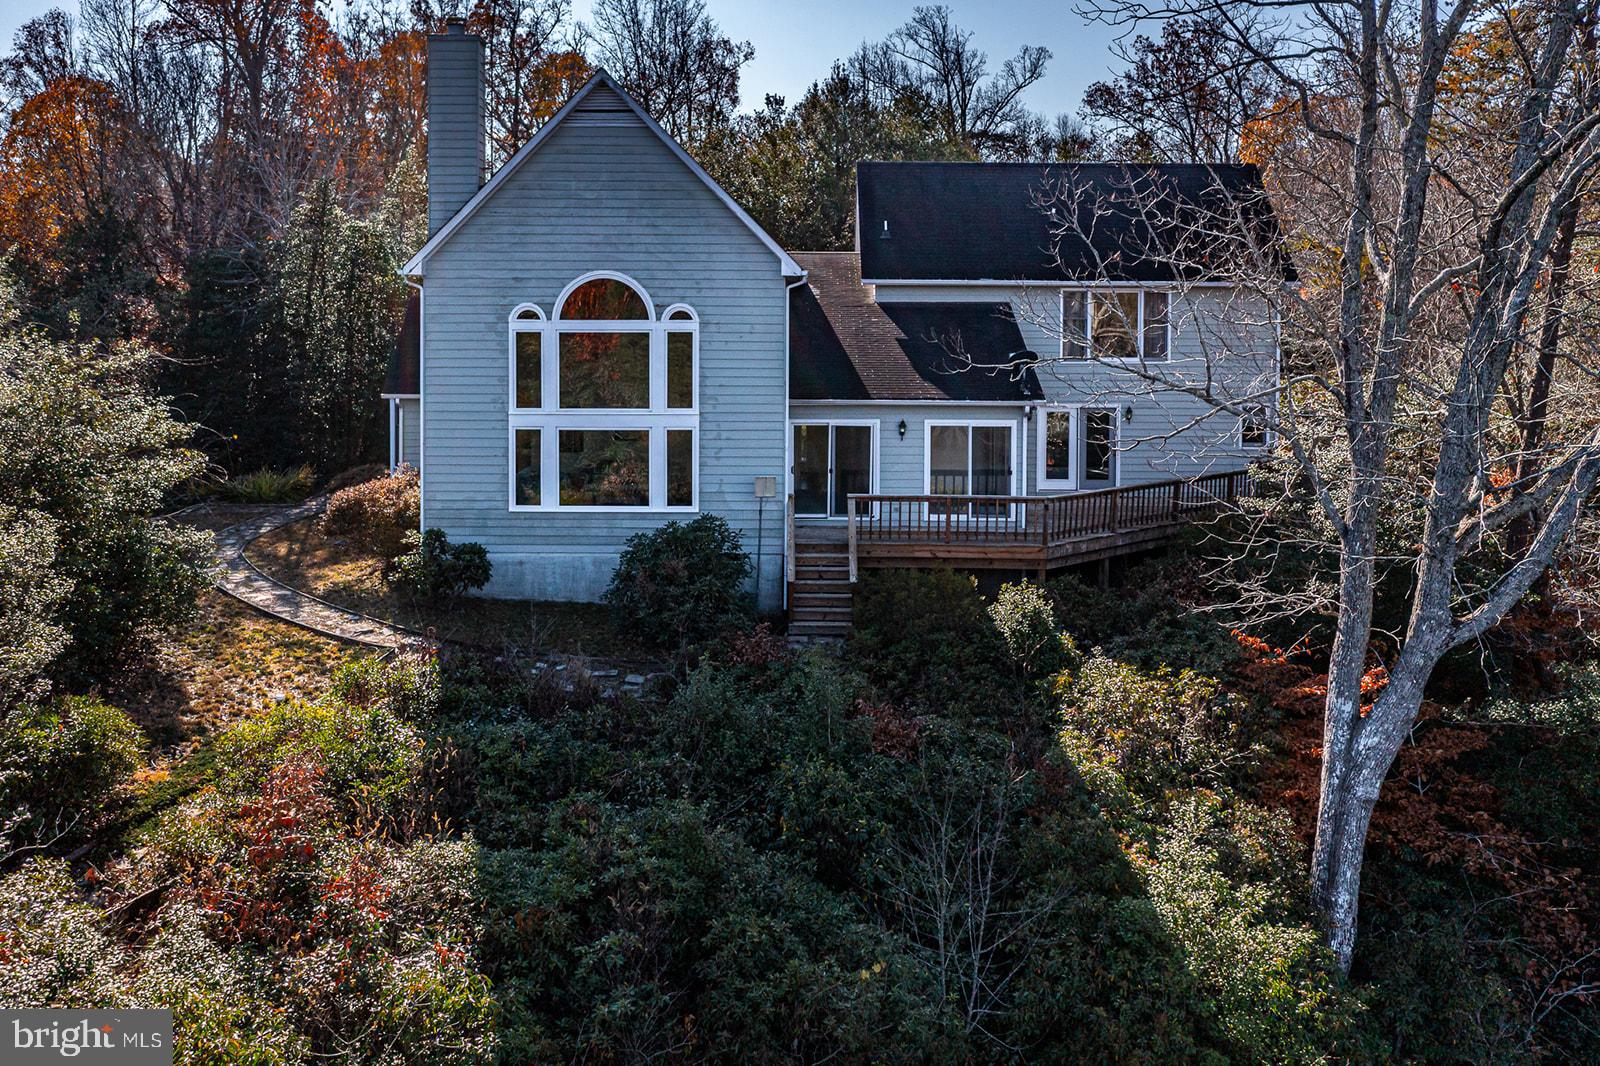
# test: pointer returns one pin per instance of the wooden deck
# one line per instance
(1034, 533)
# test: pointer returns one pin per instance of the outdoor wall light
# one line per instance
(1027, 413)
(1127, 413)
(902, 429)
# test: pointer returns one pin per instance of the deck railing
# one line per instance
(1041, 521)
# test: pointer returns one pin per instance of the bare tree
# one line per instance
(1424, 207)
(955, 889)
(1186, 98)
(933, 58)
(675, 61)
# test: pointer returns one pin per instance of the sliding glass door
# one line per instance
(969, 459)
(832, 461)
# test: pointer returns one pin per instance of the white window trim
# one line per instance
(550, 418)
(1042, 416)
(1089, 293)
(788, 448)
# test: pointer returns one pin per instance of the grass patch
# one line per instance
(336, 570)
(225, 665)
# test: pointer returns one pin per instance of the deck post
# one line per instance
(850, 520)
(1177, 499)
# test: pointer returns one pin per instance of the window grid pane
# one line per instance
(1116, 325)
(527, 468)
(605, 467)
(1253, 427)
(680, 468)
(680, 370)
(948, 461)
(1097, 450)
(1058, 446)
(604, 298)
(529, 384)
(605, 370)
(1074, 325)
(1155, 325)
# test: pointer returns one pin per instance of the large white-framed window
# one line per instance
(1077, 447)
(1127, 325)
(829, 461)
(603, 401)
(970, 457)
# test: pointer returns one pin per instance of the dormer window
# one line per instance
(1116, 324)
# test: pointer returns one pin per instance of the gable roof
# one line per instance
(1008, 222)
(845, 346)
(404, 376)
(600, 78)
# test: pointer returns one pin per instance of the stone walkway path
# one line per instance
(238, 577)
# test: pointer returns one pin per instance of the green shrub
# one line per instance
(290, 485)
(365, 751)
(377, 514)
(433, 569)
(1154, 730)
(1027, 625)
(925, 637)
(1148, 619)
(682, 584)
(90, 455)
(54, 948)
(1266, 978)
(31, 636)
(60, 762)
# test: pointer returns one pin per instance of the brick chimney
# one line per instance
(455, 120)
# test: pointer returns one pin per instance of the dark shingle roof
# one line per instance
(405, 359)
(843, 346)
(1011, 221)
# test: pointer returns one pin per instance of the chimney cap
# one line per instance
(455, 25)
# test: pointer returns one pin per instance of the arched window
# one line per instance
(604, 298)
(604, 401)
(527, 358)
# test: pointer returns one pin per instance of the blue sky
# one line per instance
(796, 40)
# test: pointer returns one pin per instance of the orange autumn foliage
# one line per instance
(55, 162)
(1433, 807)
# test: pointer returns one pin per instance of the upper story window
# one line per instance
(1115, 324)
(603, 400)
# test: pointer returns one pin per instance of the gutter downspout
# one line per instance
(422, 402)
(788, 413)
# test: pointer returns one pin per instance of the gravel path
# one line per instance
(238, 577)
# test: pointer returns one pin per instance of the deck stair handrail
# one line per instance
(1040, 521)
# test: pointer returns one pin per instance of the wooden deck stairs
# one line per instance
(820, 592)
